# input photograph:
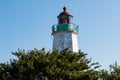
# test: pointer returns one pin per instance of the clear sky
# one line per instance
(26, 24)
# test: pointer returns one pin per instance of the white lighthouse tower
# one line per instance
(65, 33)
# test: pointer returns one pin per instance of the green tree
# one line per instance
(55, 65)
(115, 72)
(112, 74)
(104, 75)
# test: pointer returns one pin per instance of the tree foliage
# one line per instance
(112, 74)
(65, 65)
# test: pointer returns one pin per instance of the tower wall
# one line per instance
(75, 42)
(65, 39)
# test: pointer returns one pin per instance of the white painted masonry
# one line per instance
(65, 39)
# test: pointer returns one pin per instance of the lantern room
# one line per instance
(64, 23)
(64, 17)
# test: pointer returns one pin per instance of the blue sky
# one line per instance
(26, 24)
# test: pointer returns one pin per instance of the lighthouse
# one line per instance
(65, 33)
